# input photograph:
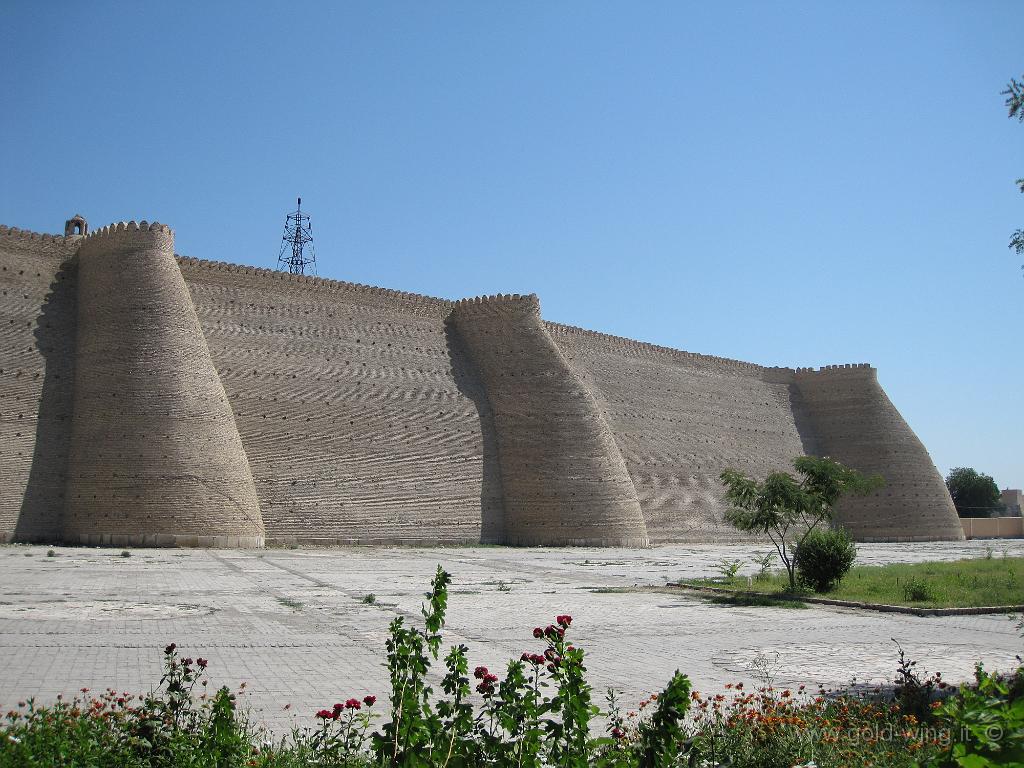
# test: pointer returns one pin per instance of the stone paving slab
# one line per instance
(292, 624)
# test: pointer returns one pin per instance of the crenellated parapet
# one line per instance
(643, 350)
(562, 476)
(846, 368)
(23, 241)
(855, 423)
(155, 455)
(501, 303)
(270, 278)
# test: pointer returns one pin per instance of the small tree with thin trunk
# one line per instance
(785, 508)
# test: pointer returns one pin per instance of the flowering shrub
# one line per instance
(539, 714)
(989, 720)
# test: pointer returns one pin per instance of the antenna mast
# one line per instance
(297, 250)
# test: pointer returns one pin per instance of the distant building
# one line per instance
(1013, 498)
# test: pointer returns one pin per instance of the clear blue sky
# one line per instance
(783, 183)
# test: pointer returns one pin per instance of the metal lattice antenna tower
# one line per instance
(297, 250)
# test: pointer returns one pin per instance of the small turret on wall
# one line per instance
(76, 226)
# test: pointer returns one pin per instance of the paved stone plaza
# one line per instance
(293, 626)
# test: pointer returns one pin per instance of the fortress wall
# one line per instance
(357, 415)
(858, 426)
(563, 477)
(155, 455)
(36, 369)
(680, 418)
(198, 401)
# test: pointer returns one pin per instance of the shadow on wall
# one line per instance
(42, 509)
(492, 522)
(804, 425)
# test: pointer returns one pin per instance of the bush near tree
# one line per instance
(823, 558)
(787, 509)
(974, 493)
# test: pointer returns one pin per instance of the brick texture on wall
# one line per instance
(857, 425)
(563, 478)
(37, 322)
(358, 419)
(153, 399)
(679, 419)
(155, 455)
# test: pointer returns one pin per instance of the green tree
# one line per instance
(1014, 94)
(974, 493)
(786, 509)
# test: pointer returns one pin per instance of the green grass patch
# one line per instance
(756, 601)
(974, 583)
(287, 602)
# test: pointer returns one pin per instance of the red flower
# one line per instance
(324, 714)
(618, 733)
(524, 657)
(369, 700)
(170, 649)
(201, 663)
(538, 632)
(353, 704)
(552, 631)
(537, 658)
(479, 672)
(564, 620)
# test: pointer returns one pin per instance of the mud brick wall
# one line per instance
(563, 478)
(679, 419)
(37, 345)
(857, 425)
(153, 399)
(155, 456)
(357, 416)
